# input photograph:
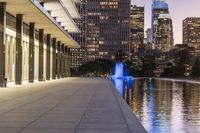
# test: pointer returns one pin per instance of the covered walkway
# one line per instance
(73, 105)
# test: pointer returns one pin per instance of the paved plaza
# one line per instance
(73, 105)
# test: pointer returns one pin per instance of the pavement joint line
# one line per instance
(42, 97)
(112, 88)
(78, 89)
(85, 110)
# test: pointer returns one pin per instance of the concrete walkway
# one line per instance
(74, 105)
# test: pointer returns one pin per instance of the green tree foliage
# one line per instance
(130, 69)
(169, 72)
(119, 56)
(182, 59)
(182, 65)
(196, 69)
(149, 66)
(95, 68)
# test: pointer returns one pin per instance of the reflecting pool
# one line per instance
(163, 106)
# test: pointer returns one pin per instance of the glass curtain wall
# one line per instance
(51, 62)
(25, 60)
(10, 49)
(36, 60)
(45, 61)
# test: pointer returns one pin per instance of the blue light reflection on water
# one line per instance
(163, 106)
(119, 84)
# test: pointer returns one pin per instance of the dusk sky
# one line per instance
(179, 10)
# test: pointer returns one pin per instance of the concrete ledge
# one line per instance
(179, 80)
(132, 121)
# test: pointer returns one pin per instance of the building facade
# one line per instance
(148, 36)
(191, 32)
(164, 39)
(78, 55)
(137, 32)
(107, 28)
(158, 7)
(35, 40)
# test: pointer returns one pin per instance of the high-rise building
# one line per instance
(137, 31)
(148, 35)
(164, 40)
(158, 7)
(107, 28)
(78, 55)
(35, 39)
(191, 32)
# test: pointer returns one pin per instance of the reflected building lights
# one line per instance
(163, 106)
(177, 122)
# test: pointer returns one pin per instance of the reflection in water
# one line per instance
(119, 84)
(163, 106)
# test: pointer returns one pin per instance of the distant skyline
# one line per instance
(179, 10)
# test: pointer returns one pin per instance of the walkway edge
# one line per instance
(132, 121)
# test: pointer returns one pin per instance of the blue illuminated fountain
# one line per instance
(119, 79)
(119, 72)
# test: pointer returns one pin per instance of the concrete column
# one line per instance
(66, 61)
(19, 41)
(58, 59)
(41, 52)
(2, 42)
(48, 57)
(54, 59)
(31, 51)
(62, 60)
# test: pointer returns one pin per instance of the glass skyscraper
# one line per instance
(107, 28)
(191, 33)
(158, 7)
(164, 33)
(137, 32)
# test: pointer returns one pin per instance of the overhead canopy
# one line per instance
(58, 10)
(33, 12)
(77, 1)
(70, 4)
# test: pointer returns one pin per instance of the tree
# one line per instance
(119, 56)
(196, 69)
(182, 61)
(149, 66)
(169, 72)
(98, 67)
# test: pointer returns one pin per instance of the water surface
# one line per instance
(163, 106)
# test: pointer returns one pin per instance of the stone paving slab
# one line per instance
(73, 105)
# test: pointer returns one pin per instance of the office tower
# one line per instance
(35, 39)
(107, 28)
(191, 32)
(164, 40)
(137, 31)
(148, 35)
(158, 7)
(78, 55)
